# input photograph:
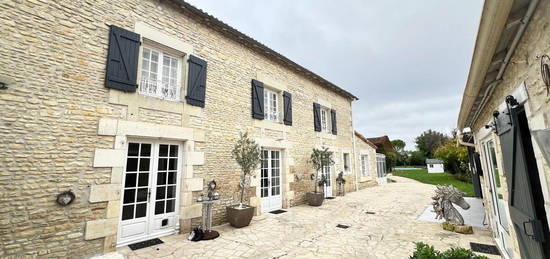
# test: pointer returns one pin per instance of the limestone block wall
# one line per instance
(56, 112)
(362, 148)
(524, 68)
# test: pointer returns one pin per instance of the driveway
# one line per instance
(306, 232)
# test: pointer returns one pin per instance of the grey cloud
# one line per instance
(407, 61)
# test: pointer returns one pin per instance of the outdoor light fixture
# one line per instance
(65, 198)
(212, 185)
(3, 85)
(543, 140)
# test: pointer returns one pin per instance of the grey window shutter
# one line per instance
(333, 121)
(287, 107)
(517, 157)
(317, 117)
(122, 59)
(257, 99)
(196, 83)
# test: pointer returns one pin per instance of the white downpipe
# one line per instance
(460, 142)
(519, 33)
(354, 156)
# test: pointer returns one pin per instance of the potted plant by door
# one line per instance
(247, 154)
(318, 159)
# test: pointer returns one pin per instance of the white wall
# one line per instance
(435, 168)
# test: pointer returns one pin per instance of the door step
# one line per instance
(483, 248)
(146, 243)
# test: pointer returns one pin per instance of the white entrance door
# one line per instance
(271, 180)
(150, 191)
(327, 188)
(499, 206)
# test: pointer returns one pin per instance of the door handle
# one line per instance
(148, 195)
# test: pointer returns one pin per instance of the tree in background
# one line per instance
(455, 158)
(416, 158)
(391, 160)
(399, 146)
(429, 140)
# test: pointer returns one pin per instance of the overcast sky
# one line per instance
(407, 61)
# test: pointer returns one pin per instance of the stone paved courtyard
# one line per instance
(306, 232)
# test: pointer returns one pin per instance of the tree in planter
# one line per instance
(318, 159)
(247, 154)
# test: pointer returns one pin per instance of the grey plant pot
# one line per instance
(239, 217)
(315, 199)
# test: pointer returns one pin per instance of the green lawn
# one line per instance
(422, 176)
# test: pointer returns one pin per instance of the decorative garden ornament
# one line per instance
(444, 198)
(341, 183)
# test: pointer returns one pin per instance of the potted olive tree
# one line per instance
(318, 159)
(247, 154)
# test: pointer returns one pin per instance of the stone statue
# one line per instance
(444, 198)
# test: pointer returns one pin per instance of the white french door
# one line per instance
(499, 209)
(270, 180)
(327, 188)
(150, 195)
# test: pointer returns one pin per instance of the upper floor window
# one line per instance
(160, 74)
(325, 120)
(271, 105)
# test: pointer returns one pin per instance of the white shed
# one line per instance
(435, 166)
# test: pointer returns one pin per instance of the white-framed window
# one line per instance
(160, 74)
(271, 105)
(347, 167)
(325, 120)
(365, 165)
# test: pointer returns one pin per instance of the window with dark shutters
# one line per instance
(257, 99)
(317, 117)
(122, 59)
(287, 105)
(196, 83)
(333, 121)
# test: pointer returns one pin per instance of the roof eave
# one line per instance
(260, 48)
(493, 21)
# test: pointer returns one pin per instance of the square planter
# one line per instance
(239, 217)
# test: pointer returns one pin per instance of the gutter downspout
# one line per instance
(353, 148)
(461, 142)
(498, 79)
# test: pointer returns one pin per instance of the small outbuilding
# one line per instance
(435, 166)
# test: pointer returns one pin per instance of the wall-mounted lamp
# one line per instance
(3, 86)
(65, 198)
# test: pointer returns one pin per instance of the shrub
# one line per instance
(318, 159)
(425, 251)
(455, 158)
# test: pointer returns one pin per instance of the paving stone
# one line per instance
(309, 232)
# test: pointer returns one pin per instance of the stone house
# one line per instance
(504, 106)
(133, 106)
(365, 161)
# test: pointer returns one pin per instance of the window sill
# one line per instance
(365, 179)
(152, 103)
(326, 135)
(267, 124)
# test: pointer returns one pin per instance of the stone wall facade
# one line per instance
(368, 178)
(61, 129)
(521, 75)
